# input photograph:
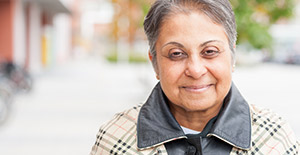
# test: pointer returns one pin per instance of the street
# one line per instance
(68, 104)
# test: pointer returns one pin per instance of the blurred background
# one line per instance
(67, 66)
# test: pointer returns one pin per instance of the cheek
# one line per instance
(169, 71)
(222, 70)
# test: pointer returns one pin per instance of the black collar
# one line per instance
(156, 125)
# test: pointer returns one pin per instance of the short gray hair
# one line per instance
(220, 11)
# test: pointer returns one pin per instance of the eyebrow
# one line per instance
(181, 46)
(173, 43)
(210, 41)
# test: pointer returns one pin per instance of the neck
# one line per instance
(195, 120)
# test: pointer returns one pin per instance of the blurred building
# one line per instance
(109, 28)
(34, 33)
(286, 34)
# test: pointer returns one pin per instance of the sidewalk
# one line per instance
(272, 86)
(64, 112)
(68, 104)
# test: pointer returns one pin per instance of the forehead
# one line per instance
(193, 26)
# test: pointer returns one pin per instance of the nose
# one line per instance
(196, 68)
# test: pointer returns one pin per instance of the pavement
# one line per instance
(69, 102)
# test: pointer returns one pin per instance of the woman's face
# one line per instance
(194, 63)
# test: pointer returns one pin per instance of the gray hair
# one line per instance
(220, 11)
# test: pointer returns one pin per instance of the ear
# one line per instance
(234, 61)
(150, 55)
(154, 67)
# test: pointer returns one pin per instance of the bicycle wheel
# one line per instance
(3, 110)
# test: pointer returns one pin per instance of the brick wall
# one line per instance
(6, 32)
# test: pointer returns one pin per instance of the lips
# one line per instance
(197, 88)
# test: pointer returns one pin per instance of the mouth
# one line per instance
(197, 88)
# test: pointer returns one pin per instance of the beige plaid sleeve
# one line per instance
(118, 136)
(298, 146)
(270, 135)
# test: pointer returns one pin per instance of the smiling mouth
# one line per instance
(197, 89)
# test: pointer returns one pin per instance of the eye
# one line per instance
(177, 54)
(210, 53)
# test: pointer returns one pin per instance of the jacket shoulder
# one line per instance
(118, 135)
(271, 134)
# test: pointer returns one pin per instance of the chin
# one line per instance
(197, 106)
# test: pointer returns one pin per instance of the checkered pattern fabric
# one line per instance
(118, 136)
(270, 136)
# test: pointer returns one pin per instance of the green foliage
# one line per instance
(112, 57)
(134, 57)
(145, 7)
(254, 18)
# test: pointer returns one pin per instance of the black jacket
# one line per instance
(239, 128)
(232, 127)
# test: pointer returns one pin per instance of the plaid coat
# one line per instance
(270, 134)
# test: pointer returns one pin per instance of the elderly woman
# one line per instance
(195, 108)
